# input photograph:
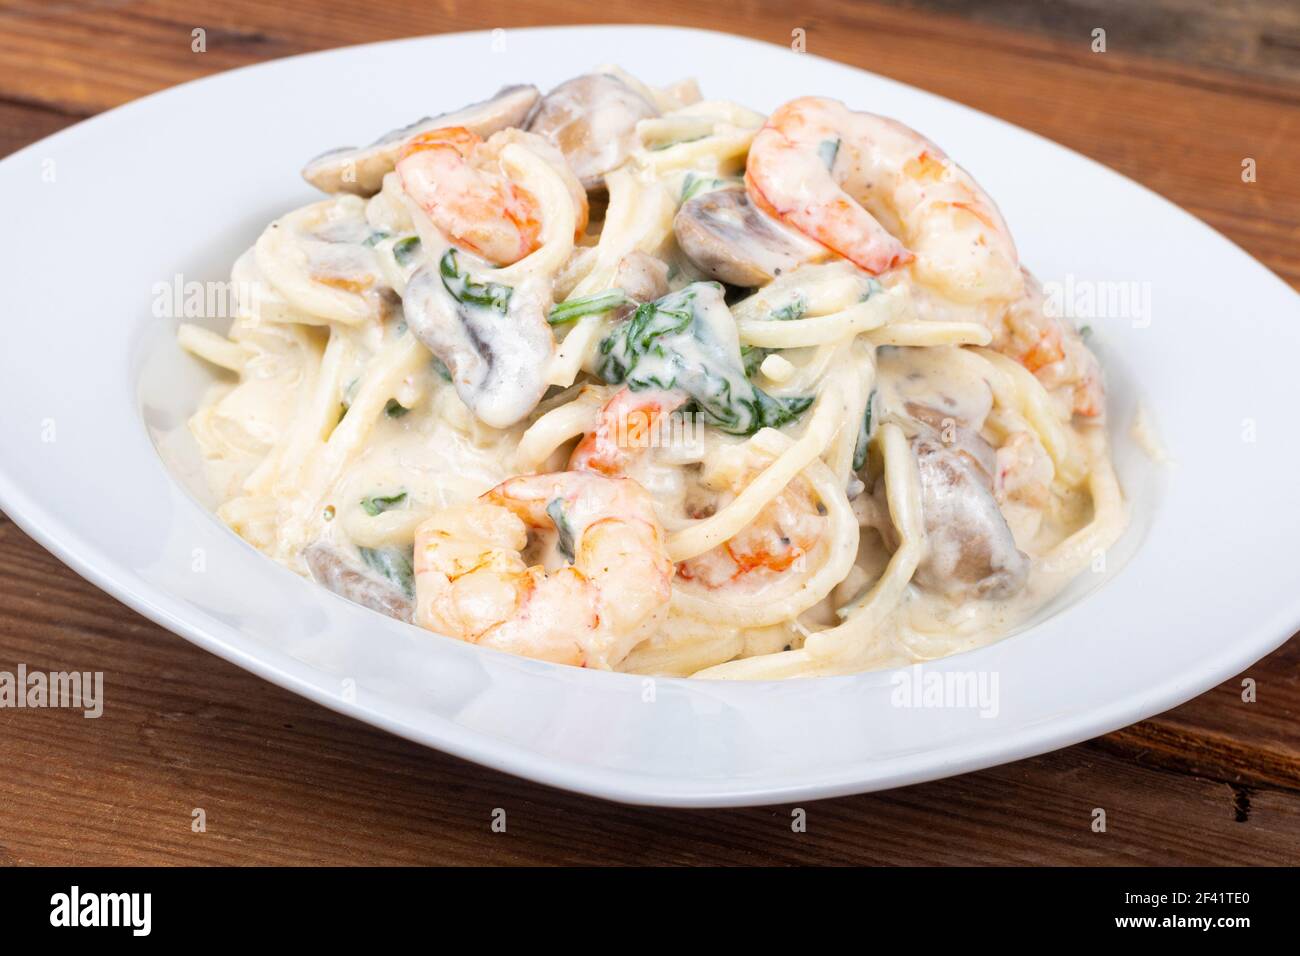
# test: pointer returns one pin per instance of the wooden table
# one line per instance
(284, 781)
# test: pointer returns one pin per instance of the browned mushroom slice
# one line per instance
(641, 276)
(959, 437)
(592, 119)
(333, 571)
(495, 341)
(733, 241)
(361, 170)
(970, 552)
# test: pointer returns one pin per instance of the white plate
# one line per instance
(92, 387)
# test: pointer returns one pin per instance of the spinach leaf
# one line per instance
(796, 308)
(395, 564)
(752, 357)
(378, 504)
(464, 289)
(395, 409)
(556, 512)
(864, 435)
(660, 147)
(694, 184)
(375, 238)
(404, 250)
(349, 393)
(827, 151)
(687, 341)
(588, 305)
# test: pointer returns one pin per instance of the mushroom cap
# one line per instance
(732, 240)
(641, 276)
(361, 169)
(332, 570)
(592, 119)
(497, 359)
(970, 552)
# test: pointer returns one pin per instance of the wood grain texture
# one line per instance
(1250, 37)
(284, 781)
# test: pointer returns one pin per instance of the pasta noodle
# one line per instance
(639, 219)
(822, 329)
(633, 379)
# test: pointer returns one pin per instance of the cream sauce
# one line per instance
(922, 493)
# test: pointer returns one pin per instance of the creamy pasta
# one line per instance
(625, 378)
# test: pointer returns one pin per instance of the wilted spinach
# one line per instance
(463, 288)
(687, 341)
(377, 504)
(395, 564)
(404, 250)
(588, 305)
(555, 510)
(864, 435)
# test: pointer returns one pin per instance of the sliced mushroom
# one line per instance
(315, 260)
(732, 240)
(333, 571)
(592, 119)
(970, 552)
(497, 359)
(935, 388)
(642, 277)
(958, 436)
(361, 169)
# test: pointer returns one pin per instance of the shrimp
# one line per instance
(780, 535)
(779, 538)
(1052, 350)
(883, 196)
(623, 429)
(472, 583)
(1024, 471)
(1023, 483)
(455, 177)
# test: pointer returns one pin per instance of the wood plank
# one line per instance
(21, 125)
(1260, 38)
